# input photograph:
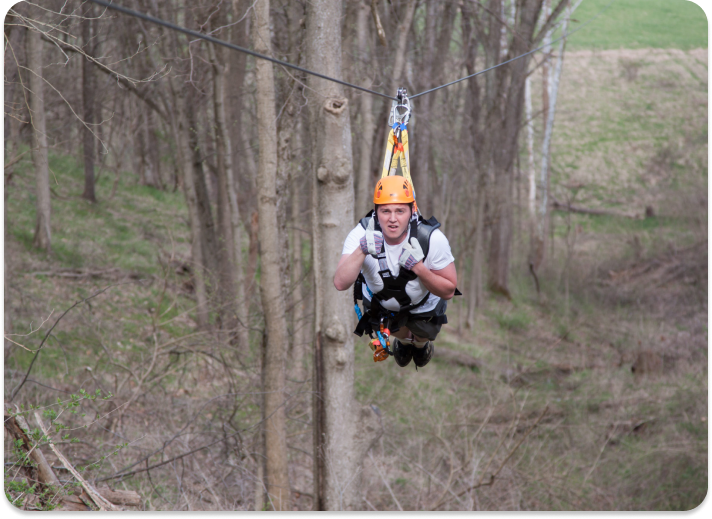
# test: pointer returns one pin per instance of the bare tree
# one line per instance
(271, 277)
(227, 210)
(88, 104)
(43, 233)
(344, 430)
(539, 230)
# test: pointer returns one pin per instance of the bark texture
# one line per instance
(344, 430)
(43, 233)
(227, 210)
(271, 250)
(88, 102)
(182, 131)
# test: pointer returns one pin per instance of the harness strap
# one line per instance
(397, 143)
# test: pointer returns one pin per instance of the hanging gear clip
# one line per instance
(400, 110)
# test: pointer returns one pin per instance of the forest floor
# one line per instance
(537, 407)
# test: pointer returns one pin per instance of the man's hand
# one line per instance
(373, 241)
(412, 253)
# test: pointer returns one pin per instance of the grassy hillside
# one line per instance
(637, 24)
(538, 407)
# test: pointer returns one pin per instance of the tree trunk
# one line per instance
(270, 278)
(475, 292)
(531, 176)
(500, 240)
(43, 233)
(505, 94)
(181, 130)
(297, 368)
(227, 210)
(13, 35)
(436, 46)
(544, 179)
(88, 102)
(363, 180)
(234, 93)
(344, 431)
(208, 236)
(13, 38)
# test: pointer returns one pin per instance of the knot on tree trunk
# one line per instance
(339, 174)
(336, 105)
(335, 331)
(342, 172)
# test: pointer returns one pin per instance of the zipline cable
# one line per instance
(232, 46)
(517, 57)
(158, 21)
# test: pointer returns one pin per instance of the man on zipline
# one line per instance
(404, 268)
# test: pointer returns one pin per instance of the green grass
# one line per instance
(119, 232)
(514, 321)
(636, 24)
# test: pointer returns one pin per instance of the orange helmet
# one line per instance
(393, 189)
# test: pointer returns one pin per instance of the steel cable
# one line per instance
(172, 26)
(232, 46)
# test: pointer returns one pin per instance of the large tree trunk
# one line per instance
(43, 233)
(88, 102)
(270, 277)
(344, 431)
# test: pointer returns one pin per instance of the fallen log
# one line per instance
(103, 498)
(79, 273)
(16, 427)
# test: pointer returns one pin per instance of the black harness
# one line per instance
(394, 286)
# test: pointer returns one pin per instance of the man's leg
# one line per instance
(424, 332)
(402, 343)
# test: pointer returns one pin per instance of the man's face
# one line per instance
(393, 219)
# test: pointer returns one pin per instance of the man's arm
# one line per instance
(348, 268)
(441, 283)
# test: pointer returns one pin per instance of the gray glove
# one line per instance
(412, 253)
(373, 241)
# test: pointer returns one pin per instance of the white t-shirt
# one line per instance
(439, 257)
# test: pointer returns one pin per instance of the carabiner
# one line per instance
(400, 110)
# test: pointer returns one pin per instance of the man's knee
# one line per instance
(406, 334)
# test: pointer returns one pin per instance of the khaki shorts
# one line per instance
(420, 325)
